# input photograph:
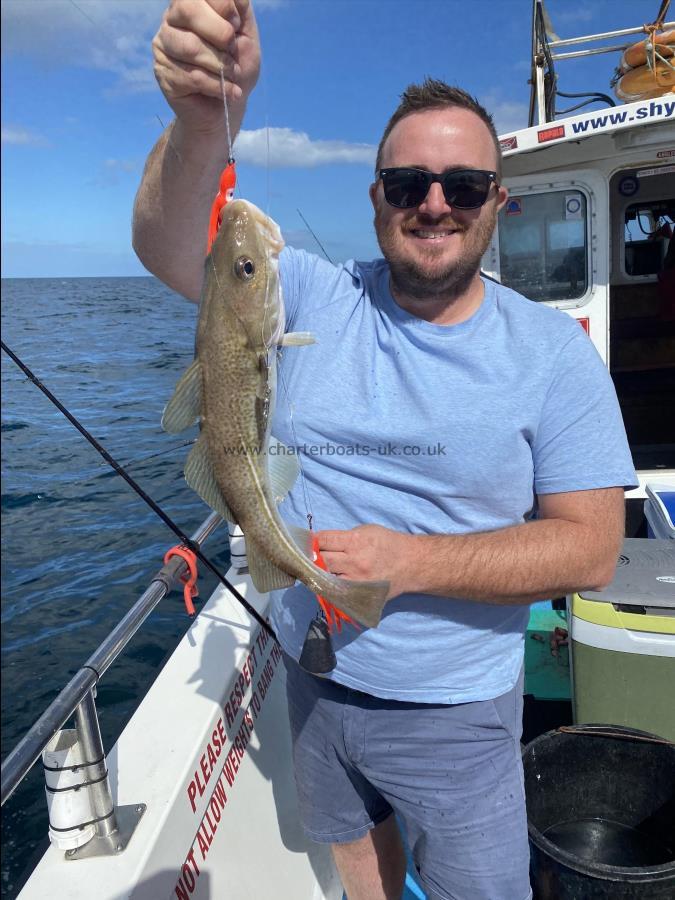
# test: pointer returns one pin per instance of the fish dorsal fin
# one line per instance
(297, 339)
(199, 475)
(282, 469)
(184, 408)
(264, 574)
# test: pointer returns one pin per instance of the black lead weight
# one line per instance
(318, 656)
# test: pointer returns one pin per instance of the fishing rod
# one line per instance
(168, 521)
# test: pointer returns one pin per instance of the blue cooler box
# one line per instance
(660, 511)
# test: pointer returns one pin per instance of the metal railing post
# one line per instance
(114, 824)
(18, 761)
(89, 735)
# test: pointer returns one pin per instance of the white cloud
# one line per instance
(121, 165)
(507, 115)
(113, 170)
(15, 134)
(572, 16)
(283, 147)
(110, 35)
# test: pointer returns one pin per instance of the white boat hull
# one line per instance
(208, 752)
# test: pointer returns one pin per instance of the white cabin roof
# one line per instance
(576, 128)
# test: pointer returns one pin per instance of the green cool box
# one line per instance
(623, 643)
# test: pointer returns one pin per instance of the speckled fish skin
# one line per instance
(240, 326)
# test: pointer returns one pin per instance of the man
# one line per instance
(467, 448)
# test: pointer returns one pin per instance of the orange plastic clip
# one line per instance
(334, 616)
(228, 181)
(190, 581)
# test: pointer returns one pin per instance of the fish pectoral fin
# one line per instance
(297, 339)
(265, 575)
(201, 478)
(184, 408)
(282, 469)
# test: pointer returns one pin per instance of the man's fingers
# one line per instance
(216, 26)
(333, 540)
(185, 47)
(179, 79)
(199, 43)
(335, 561)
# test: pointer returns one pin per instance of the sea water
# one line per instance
(78, 545)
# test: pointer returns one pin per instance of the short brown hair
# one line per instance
(434, 94)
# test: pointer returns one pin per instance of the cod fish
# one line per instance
(231, 388)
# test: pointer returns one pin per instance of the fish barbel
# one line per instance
(231, 386)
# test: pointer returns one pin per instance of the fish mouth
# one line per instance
(268, 228)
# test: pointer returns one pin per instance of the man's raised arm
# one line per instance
(197, 39)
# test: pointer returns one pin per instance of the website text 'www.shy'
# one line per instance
(655, 108)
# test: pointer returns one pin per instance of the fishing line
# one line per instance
(315, 237)
(280, 374)
(88, 18)
(227, 115)
(139, 490)
(291, 419)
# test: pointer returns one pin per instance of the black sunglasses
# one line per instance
(462, 188)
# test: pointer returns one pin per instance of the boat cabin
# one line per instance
(588, 228)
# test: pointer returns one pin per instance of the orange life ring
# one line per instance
(636, 55)
(642, 82)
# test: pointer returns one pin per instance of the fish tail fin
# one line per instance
(362, 600)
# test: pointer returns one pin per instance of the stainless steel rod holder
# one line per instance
(89, 736)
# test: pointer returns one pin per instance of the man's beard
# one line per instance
(413, 278)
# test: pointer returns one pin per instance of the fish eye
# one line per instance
(244, 268)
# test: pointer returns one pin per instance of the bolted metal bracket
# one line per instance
(117, 841)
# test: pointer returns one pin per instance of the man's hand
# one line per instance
(562, 551)
(368, 553)
(198, 38)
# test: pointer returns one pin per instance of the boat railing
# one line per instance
(545, 53)
(78, 699)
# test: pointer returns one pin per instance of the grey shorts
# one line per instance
(452, 774)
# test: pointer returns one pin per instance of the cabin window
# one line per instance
(647, 233)
(542, 245)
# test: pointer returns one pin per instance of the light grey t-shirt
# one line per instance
(433, 429)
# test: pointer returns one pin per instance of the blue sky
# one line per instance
(81, 110)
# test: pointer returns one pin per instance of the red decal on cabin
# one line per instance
(207, 763)
(509, 143)
(218, 799)
(207, 821)
(215, 809)
(262, 639)
(186, 881)
(256, 704)
(203, 846)
(586, 325)
(205, 767)
(550, 134)
(243, 679)
(192, 793)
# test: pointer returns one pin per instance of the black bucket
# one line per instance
(601, 814)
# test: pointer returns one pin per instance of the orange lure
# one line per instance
(334, 616)
(228, 181)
